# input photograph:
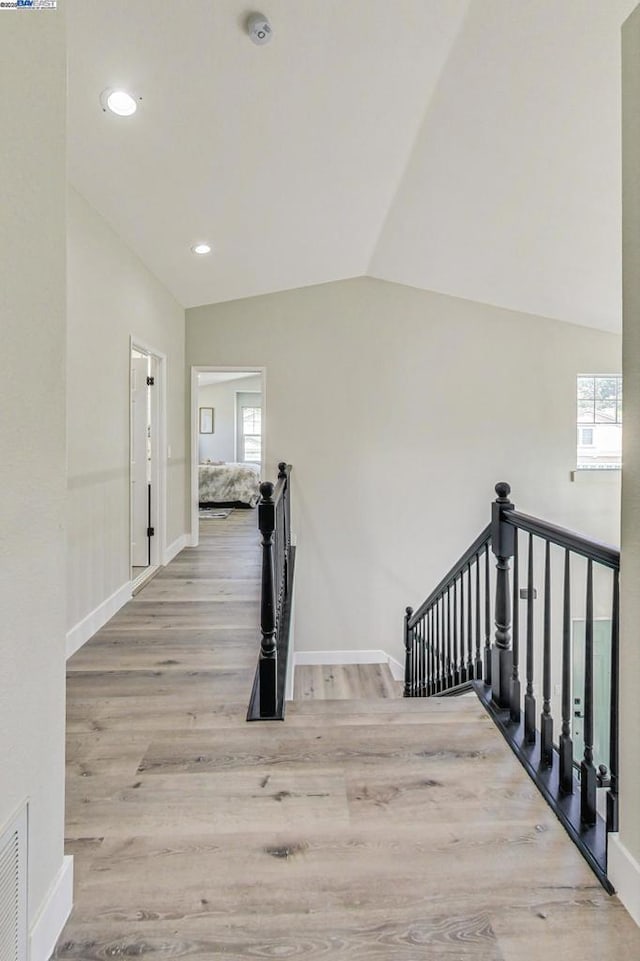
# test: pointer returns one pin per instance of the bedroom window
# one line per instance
(251, 422)
(599, 421)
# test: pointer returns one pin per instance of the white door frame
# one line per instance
(158, 458)
(208, 369)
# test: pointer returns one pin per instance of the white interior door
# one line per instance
(140, 465)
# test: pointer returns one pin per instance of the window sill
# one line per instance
(595, 474)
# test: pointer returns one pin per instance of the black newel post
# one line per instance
(268, 655)
(502, 543)
(408, 679)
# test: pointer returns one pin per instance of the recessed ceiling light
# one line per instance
(119, 102)
(201, 248)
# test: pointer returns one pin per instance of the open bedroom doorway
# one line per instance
(145, 480)
(228, 441)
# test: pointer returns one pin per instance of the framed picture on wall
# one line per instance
(206, 420)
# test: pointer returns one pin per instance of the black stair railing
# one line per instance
(568, 649)
(443, 651)
(267, 701)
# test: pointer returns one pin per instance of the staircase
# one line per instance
(547, 674)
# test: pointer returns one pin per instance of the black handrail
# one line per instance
(484, 537)
(440, 660)
(278, 558)
(564, 537)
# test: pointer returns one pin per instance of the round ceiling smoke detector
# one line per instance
(259, 28)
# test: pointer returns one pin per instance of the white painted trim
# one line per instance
(174, 549)
(159, 462)
(53, 914)
(396, 668)
(87, 627)
(624, 873)
(138, 582)
(195, 370)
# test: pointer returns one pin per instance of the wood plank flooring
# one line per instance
(344, 681)
(373, 828)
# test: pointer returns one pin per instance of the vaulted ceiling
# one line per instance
(470, 147)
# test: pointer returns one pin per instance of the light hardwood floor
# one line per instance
(381, 829)
(330, 682)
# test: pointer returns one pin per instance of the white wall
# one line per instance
(626, 848)
(32, 428)
(415, 404)
(111, 297)
(222, 397)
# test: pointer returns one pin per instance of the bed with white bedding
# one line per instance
(229, 484)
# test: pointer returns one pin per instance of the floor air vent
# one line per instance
(13, 890)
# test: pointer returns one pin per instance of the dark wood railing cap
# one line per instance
(503, 490)
(266, 491)
(282, 469)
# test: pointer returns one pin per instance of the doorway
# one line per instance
(228, 425)
(145, 491)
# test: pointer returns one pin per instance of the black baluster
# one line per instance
(456, 666)
(441, 654)
(588, 775)
(429, 652)
(487, 617)
(470, 673)
(423, 657)
(463, 660)
(408, 653)
(416, 659)
(566, 744)
(438, 654)
(612, 793)
(286, 522)
(268, 649)
(432, 661)
(515, 678)
(546, 721)
(529, 699)
(450, 669)
(478, 667)
(502, 538)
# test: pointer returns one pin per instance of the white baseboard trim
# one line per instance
(396, 668)
(349, 657)
(53, 914)
(174, 549)
(97, 618)
(624, 873)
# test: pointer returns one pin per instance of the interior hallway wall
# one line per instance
(112, 296)
(32, 436)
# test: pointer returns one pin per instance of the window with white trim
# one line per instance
(251, 433)
(599, 421)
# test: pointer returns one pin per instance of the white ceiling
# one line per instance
(464, 146)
